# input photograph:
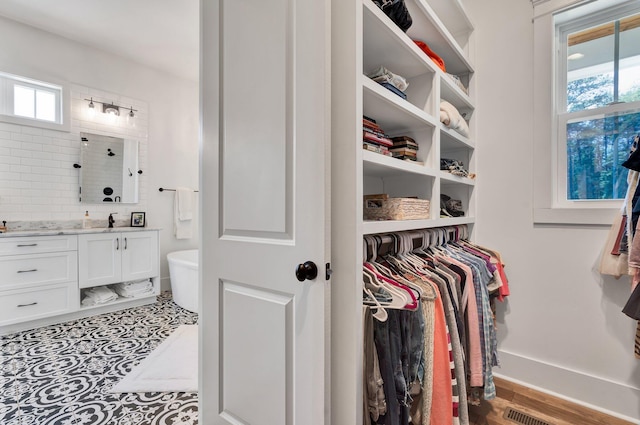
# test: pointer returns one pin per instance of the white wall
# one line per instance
(561, 329)
(171, 157)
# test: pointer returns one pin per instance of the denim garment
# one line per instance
(394, 89)
(399, 335)
(400, 343)
(416, 344)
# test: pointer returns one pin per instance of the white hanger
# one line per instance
(399, 297)
(380, 313)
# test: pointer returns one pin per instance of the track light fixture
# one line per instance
(111, 108)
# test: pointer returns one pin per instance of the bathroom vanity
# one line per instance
(43, 273)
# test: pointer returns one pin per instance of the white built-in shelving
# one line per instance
(364, 38)
(384, 44)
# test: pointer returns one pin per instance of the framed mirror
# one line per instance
(109, 169)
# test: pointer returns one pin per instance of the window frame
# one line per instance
(8, 81)
(550, 205)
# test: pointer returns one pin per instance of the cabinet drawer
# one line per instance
(37, 244)
(38, 302)
(20, 270)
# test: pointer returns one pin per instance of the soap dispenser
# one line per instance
(85, 220)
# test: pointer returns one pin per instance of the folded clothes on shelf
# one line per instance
(458, 82)
(432, 55)
(135, 288)
(450, 207)
(383, 75)
(98, 295)
(455, 167)
(394, 90)
(451, 117)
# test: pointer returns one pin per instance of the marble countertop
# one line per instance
(53, 232)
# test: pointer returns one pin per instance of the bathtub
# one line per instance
(183, 271)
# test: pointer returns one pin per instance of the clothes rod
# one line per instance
(162, 189)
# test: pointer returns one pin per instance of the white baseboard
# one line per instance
(612, 398)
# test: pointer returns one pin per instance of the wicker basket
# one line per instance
(396, 209)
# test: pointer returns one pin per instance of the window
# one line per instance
(598, 104)
(586, 105)
(31, 102)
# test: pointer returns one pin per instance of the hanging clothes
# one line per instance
(434, 335)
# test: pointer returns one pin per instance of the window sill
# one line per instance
(577, 216)
(66, 127)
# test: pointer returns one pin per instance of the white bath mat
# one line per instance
(171, 367)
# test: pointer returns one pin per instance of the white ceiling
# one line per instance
(162, 34)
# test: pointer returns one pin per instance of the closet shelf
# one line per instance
(372, 227)
(448, 178)
(375, 164)
(390, 111)
(454, 17)
(430, 29)
(451, 140)
(384, 44)
(450, 92)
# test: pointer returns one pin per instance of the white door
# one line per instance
(264, 173)
(99, 259)
(139, 255)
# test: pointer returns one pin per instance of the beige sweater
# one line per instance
(634, 252)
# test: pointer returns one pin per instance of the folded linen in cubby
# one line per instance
(134, 288)
(450, 117)
(98, 295)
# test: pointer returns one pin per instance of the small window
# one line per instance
(31, 100)
(598, 105)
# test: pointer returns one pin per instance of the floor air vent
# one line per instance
(522, 418)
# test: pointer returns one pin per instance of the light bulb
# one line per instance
(92, 109)
(130, 118)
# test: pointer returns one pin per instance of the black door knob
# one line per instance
(308, 271)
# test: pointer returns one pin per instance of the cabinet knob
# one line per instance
(306, 271)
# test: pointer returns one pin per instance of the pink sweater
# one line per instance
(473, 324)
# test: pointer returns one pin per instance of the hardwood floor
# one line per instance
(542, 406)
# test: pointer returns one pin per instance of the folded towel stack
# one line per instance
(98, 295)
(135, 288)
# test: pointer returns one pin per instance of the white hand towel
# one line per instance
(181, 210)
(184, 197)
(98, 295)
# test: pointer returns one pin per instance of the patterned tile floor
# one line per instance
(61, 374)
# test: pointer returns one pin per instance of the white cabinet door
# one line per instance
(265, 112)
(139, 255)
(99, 259)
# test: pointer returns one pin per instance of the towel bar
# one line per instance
(162, 189)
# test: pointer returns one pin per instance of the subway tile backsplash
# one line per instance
(37, 178)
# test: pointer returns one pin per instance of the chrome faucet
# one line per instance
(111, 220)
